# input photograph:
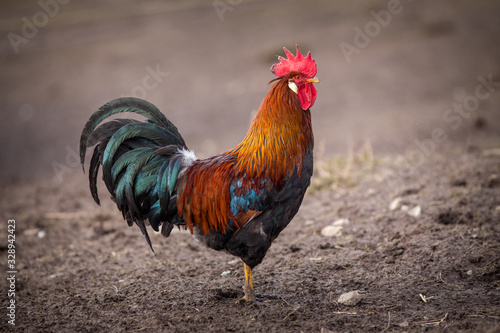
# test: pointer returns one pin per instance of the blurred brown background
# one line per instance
(205, 64)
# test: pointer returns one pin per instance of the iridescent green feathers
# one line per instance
(140, 162)
(128, 104)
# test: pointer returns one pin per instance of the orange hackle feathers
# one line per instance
(278, 137)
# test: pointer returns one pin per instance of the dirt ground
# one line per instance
(407, 166)
(82, 269)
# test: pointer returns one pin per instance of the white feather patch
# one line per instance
(293, 86)
(188, 158)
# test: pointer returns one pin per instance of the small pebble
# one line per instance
(309, 222)
(415, 211)
(351, 298)
(395, 203)
(341, 222)
(316, 259)
(332, 231)
(225, 273)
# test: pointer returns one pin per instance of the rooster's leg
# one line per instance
(249, 292)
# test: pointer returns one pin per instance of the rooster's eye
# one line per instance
(297, 77)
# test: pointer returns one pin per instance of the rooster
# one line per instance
(238, 201)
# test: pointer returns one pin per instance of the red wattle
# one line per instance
(307, 96)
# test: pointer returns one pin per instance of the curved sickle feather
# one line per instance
(127, 104)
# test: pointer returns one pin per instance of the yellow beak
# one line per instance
(313, 80)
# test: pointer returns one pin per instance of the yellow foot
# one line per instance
(249, 297)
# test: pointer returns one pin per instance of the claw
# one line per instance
(246, 301)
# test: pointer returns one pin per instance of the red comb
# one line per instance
(305, 65)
